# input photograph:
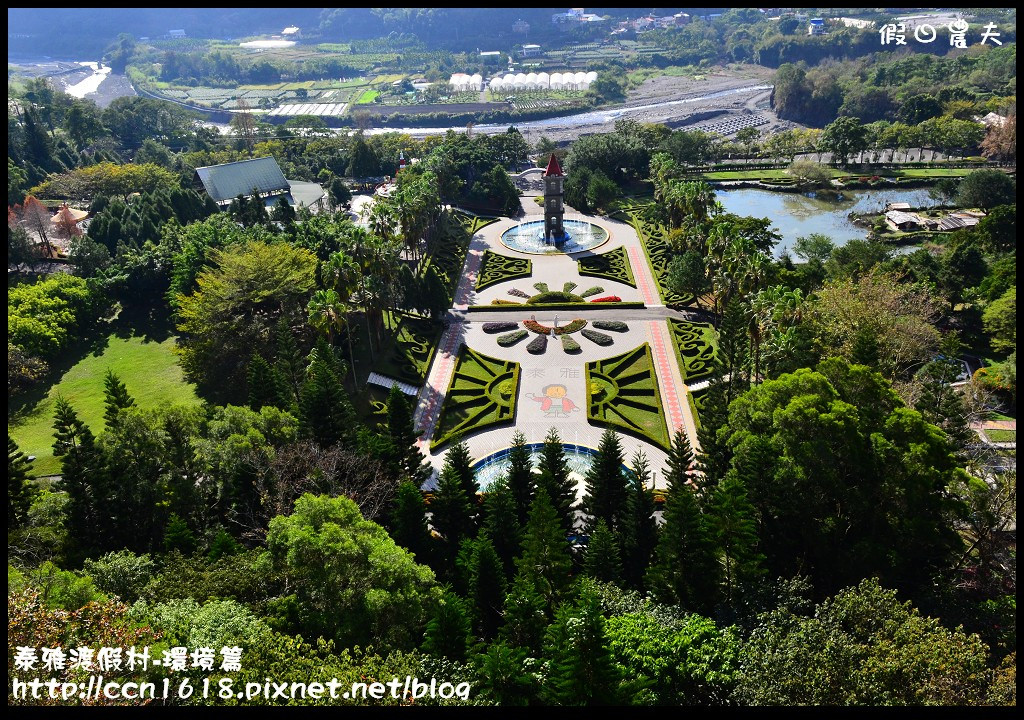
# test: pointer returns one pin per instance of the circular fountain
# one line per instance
(490, 469)
(580, 235)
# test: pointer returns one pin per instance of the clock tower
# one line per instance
(554, 209)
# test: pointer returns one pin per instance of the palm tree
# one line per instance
(327, 313)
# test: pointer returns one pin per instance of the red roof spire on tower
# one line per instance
(553, 167)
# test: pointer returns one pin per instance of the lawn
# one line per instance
(613, 265)
(149, 369)
(497, 268)
(482, 392)
(1002, 435)
(622, 393)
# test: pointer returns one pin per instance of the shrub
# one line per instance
(541, 287)
(497, 327)
(592, 291)
(608, 298)
(571, 327)
(554, 296)
(499, 301)
(598, 337)
(538, 345)
(512, 338)
(570, 345)
(569, 287)
(516, 292)
(613, 325)
(506, 388)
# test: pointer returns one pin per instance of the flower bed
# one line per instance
(554, 296)
(596, 290)
(569, 345)
(608, 298)
(499, 301)
(512, 338)
(497, 327)
(516, 292)
(598, 337)
(613, 325)
(538, 345)
(569, 287)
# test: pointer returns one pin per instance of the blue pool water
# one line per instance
(580, 235)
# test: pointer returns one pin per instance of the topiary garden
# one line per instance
(482, 392)
(622, 393)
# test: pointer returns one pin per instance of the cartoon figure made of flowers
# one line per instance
(553, 401)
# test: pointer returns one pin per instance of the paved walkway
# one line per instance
(670, 380)
(644, 278)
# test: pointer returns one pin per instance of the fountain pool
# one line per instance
(579, 235)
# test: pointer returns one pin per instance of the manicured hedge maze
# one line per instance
(413, 350)
(622, 393)
(613, 265)
(482, 393)
(658, 252)
(696, 345)
(496, 268)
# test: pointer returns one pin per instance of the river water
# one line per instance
(794, 215)
(92, 83)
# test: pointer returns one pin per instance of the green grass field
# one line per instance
(1002, 435)
(367, 97)
(150, 370)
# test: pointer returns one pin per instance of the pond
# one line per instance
(794, 215)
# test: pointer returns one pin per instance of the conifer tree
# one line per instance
(452, 516)
(735, 529)
(289, 363)
(525, 616)
(504, 678)
(178, 536)
(733, 349)
(606, 494)
(409, 522)
(640, 533)
(326, 415)
(582, 671)
(403, 434)
(82, 477)
(459, 460)
(520, 476)
(554, 478)
(715, 453)
(264, 385)
(115, 398)
(501, 526)
(487, 587)
(603, 561)
(685, 567)
(448, 631)
(20, 491)
(545, 560)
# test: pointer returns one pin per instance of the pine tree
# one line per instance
(448, 631)
(403, 435)
(525, 616)
(735, 529)
(640, 533)
(501, 526)
(545, 559)
(715, 453)
(178, 536)
(520, 476)
(82, 477)
(452, 516)
(554, 478)
(326, 415)
(409, 522)
(603, 561)
(264, 385)
(504, 678)
(487, 586)
(459, 460)
(289, 360)
(606, 494)
(282, 212)
(685, 567)
(733, 349)
(20, 491)
(116, 398)
(582, 671)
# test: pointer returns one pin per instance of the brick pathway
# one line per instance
(644, 279)
(673, 389)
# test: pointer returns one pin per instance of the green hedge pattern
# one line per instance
(495, 268)
(653, 238)
(612, 265)
(696, 345)
(622, 393)
(474, 399)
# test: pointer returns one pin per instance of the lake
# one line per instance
(794, 215)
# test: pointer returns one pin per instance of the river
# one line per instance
(794, 215)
